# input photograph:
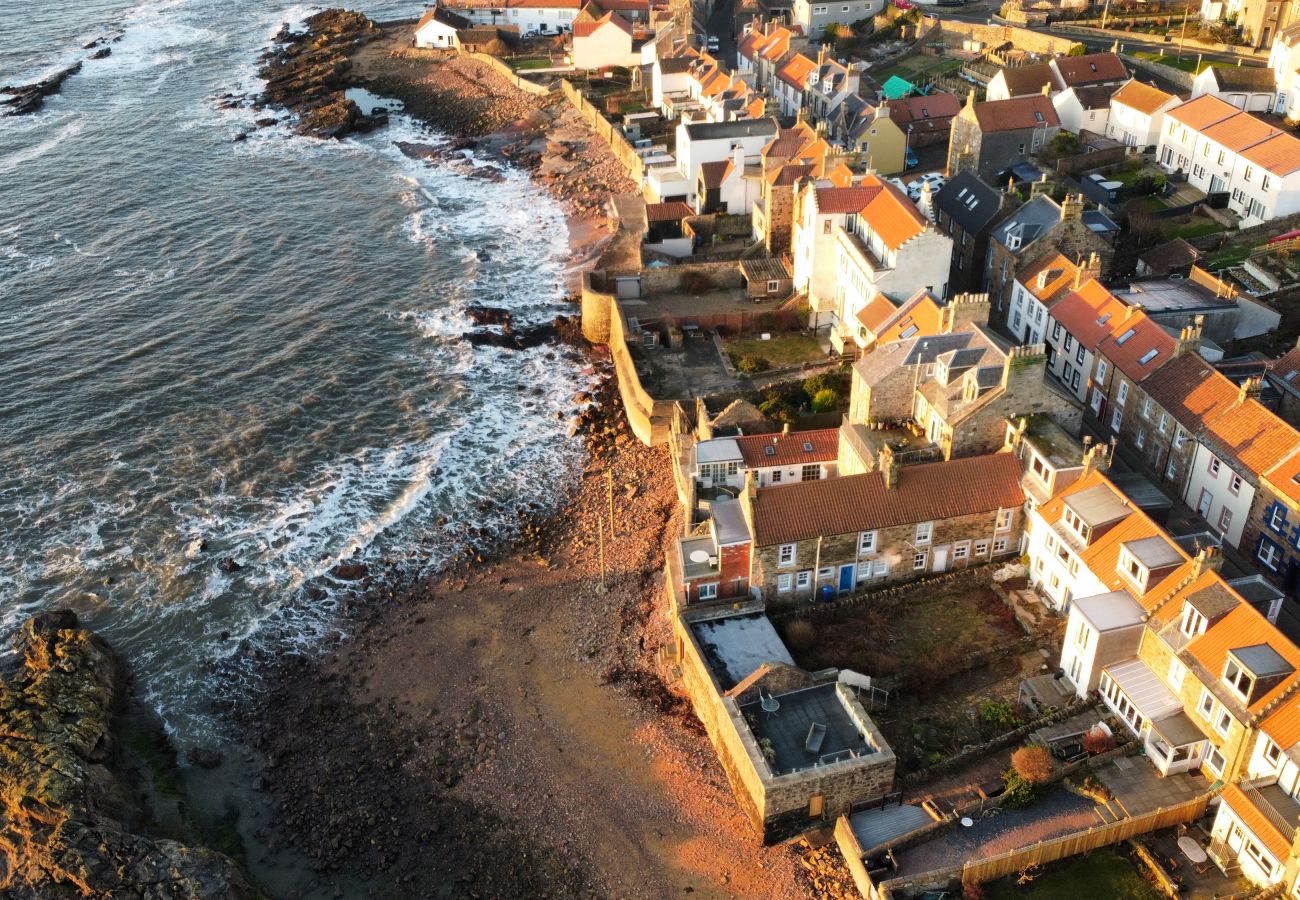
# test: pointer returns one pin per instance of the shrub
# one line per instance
(775, 407)
(694, 282)
(1077, 50)
(825, 381)
(1063, 144)
(1019, 793)
(801, 634)
(751, 364)
(825, 400)
(1033, 763)
(998, 715)
(1098, 741)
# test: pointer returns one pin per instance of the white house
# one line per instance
(728, 186)
(1284, 61)
(774, 459)
(1224, 150)
(814, 15)
(1076, 325)
(670, 76)
(604, 42)
(1219, 494)
(1084, 108)
(1037, 289)
(542, 16)
(437, 28)
(821, 210)
(704, 142)
(1137, 112)
(1249, 88)
(888, 248)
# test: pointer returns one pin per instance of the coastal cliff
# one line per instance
(79, 816)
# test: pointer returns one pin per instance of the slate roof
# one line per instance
(1170, 256)
(1096, 96)
(851, 503)
(1029, 222)
(969, 202)
(439, 13)
(709, 131)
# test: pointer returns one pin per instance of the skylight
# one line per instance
(1125, 336)
(1290, 376)
(1105, 317)
(909, 332)
(1039, 117)
(807, 447)
(769, 450)
(1147, 357)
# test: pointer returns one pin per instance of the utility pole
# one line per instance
(1104, 12)
(609, 483)
(1182, 35)
(600, 588)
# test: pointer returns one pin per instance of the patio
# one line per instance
(1137, 787)
(1196, 882)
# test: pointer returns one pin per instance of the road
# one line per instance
(720, 24)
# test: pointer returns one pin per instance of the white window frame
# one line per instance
(924, 532)
(1122, 395)
(1004, 520)
(1205, 705)
(803, 579)
(1177, 672)
(784, 582)
(707, 591)
(785, 556)
(866, 543)
(1000, 545)
(920, 560)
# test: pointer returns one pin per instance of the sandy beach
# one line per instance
(503, 729)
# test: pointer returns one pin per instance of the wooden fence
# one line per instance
(980, 871)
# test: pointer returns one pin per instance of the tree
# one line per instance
(1019, 793)
(1098, 741)
(1077, 50)
(825, 400)
(1033, 763)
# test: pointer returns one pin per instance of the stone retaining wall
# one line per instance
(509, 74)
(617, 143)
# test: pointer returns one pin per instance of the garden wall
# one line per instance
(618, 145)
(509, 74)
(1149, 39)
(996, 35)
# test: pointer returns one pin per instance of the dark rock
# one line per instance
(102, 53)
(349, 571)
(239, 136)
(203, 757)
(30, 97)
(229, 565)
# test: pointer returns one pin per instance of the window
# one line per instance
(981, 548)
(1164, 423)
(1277, 518)
(1000, 545)
(1223, 723)
(1078, 355)
(784, 582)
(1069, 341)
(773, 287)
(1205, 706)
(919, 559)
(824, 573)
(1225, 518)
(1193, 622)
(1056, 331)
(708, 591)
(1116, 419)
(1216, 762)
(811, 472)
(864, 570)
(881, 569)
(804, 579)
(1268, 553)
(1081, 635)
(1237, 678)
(923, 532)
(1141, 438)
(1234, 483)
(776, 476)
(785, 555)
(960, 551)
(1004, 519)
(1146, 408)
(866, 543)
(1179, 437)
(1213, 467)
(1067, 372)
(1123, 392)
(1272, 752)
(1101, 370)
(1177, 671)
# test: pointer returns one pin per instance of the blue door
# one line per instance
(846, 578)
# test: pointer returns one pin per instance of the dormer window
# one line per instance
(1193, 623)
(1237, 678)
(1077, 525)
(1042, 279)
(1131, 569)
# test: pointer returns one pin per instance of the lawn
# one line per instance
(1227, 258)
(1193, 227)
(1102, 873)
(1149, 203)
(780, 351)
(1186, 64)
(919, 68)
(536, 62)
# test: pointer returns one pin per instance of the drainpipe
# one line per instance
(817, 567)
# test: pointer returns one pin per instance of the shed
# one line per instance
(766, 277)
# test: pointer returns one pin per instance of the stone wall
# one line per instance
(995, 35)
(668, 280)
(613, 137)
(509, 74)
(1147, 41)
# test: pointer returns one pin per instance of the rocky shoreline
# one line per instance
(88, 781)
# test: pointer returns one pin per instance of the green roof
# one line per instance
(896, 87)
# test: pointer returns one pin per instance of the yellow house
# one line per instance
(869, 132)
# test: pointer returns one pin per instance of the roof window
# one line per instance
(769, 450)
(1105, 317)
(1125, 336)
(1038, 117)
(1147, 357)
(807, 447)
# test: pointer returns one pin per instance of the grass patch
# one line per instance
(537, 62)
(1102, 873)
(1186, 64)
(1149, 203)
(1194, 227)
(1227, 258)
(781, 351)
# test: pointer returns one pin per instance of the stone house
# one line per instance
(989, 138)
(797, 751)
(1033, 229)
(793, 155)
(926, 119)
(1052, 458)
(966, 210)
(893, 524)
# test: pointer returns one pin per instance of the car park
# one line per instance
(934, 179)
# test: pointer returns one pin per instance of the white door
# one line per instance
(940, 559)
(1203, 507)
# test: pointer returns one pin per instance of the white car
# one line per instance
(712, 44)
(898, 183)
(934, 179)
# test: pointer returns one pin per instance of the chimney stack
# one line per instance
(785, 429)
(821, 54)
(1207, 558)
(1250, 389)
(888, 468)
(1095, 457)
(1072, 207)
(1189, 339)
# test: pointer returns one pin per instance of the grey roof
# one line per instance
(1053, 443)
(969, 202)
(735, 646)
(1031, 220)
(1261, 660)
(1173, 295)
(1213, 602)
(874, 827)
(1098, 221)
(1154, 552)
(1255, 590)
(729, 520)
(880, 363)
(1178, 730)
(787, 729)
(711, 131)
(1140, 490)
(718, 450)
(1097, 505)
(676, 65)
(1244, 78)
(1107, 612)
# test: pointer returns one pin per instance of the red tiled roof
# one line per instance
(1142, 97)
(788, 449)
(1259, 824)
(1059, 274)
(667, 212)
(1283, 724)
(876, 312)
(1088, 313)
(930, 492)
(1190, 390)
(845, 199)
(891, 215)
(1238, 132)
(795, 70)
(1019, 112)
(715, 173)
(1287, 367)
(1279, 154)
(1025, 81)
(587, 29)
(1240, 628)
(1202, 112)
(1250, 434)
(1131, 352)
(921, 312)
(1091, 68)
(917, 108)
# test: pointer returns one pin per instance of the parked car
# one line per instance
(712, 43)
(898, 183)
(910, 159)
(934, 179)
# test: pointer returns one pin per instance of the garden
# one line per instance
(1102, 873)
(754, 353)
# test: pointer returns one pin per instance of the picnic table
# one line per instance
(1192, 850)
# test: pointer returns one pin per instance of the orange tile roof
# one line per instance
(1244, 627)
(1018, 112)
(1190, 390)
(1088, 312)
(877, 311)
(1287, 367)
(1132, 356)
(1202, 112)
(1142, 97)
(845, 199)
(891, 215)
(929, 492)
(1283, 724)
(1258, 823)
(788, 449)
(1279, 154)
(1238, 132)
(1253, 435)
(1060, 273)
(920, 311)
(795, 70)
(1284, 478)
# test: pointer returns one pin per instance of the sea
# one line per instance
(225, 367)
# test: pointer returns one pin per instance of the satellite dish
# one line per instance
(699, 556)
